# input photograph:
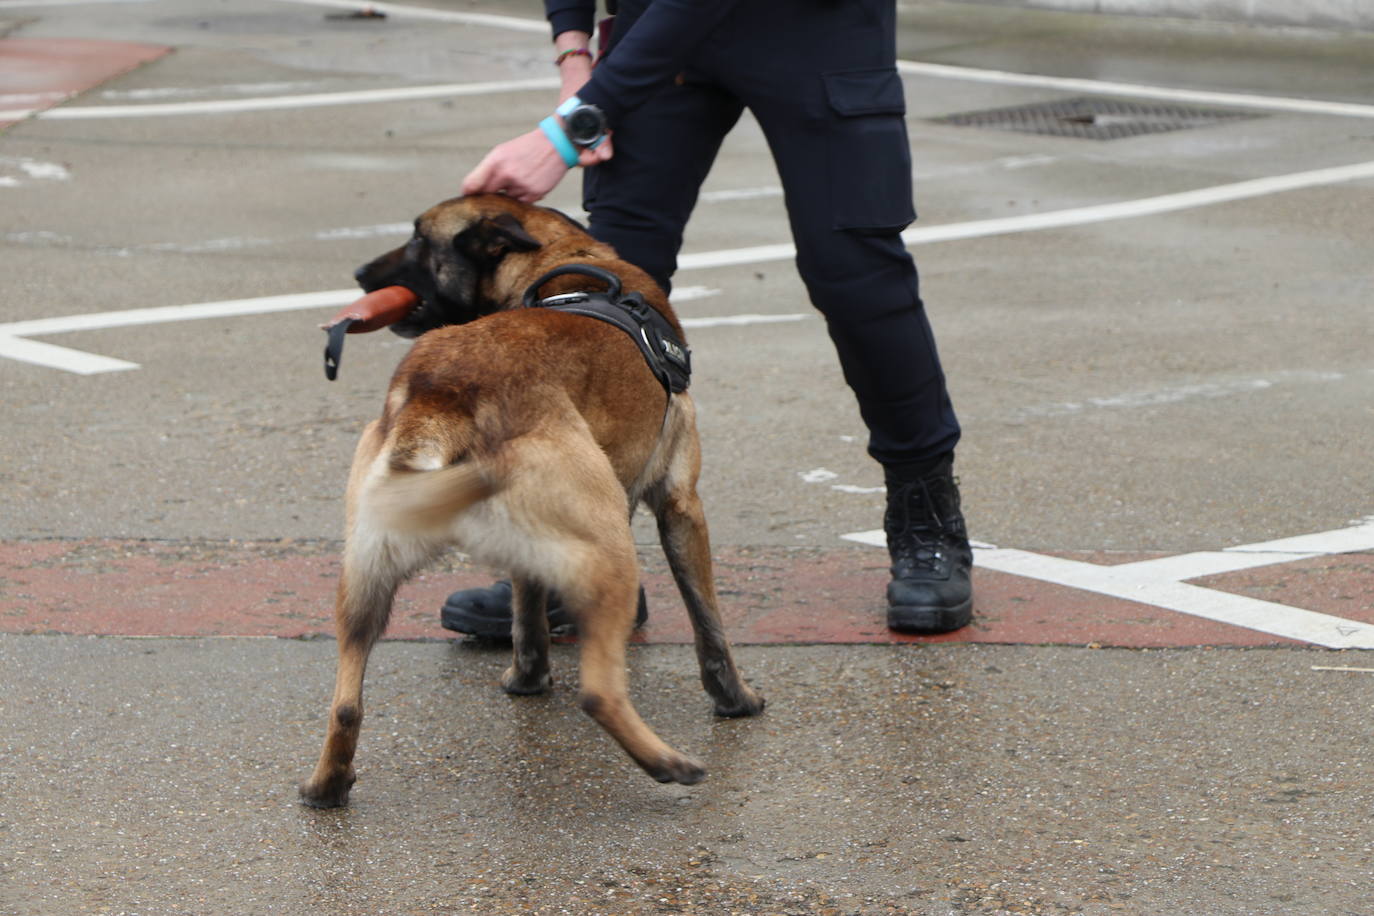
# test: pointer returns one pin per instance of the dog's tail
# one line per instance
(407, 499)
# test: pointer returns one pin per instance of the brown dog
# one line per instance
(525, 439)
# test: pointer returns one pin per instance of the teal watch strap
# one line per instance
(568, 105)
(554, 131)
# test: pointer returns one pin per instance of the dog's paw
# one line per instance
(328, 794)
(747, 703)
(677, 768)
(521, 684)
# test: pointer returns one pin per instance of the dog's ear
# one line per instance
(493, 237)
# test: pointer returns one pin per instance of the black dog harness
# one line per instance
(668, 357)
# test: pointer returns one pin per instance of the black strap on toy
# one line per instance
(668, 357)
(333, 350)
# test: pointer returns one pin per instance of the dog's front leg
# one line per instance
(529, 634)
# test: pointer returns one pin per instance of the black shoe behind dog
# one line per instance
(486, 612)
(930, 591)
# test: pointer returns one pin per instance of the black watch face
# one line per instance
(584, 125)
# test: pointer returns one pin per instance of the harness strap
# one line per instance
(668, 357)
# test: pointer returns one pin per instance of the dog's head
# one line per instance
(456, 248)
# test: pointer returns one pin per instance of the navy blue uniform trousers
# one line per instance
(820, 78)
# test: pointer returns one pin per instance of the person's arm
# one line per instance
(658, 47)
(648, 58)
(573, 22)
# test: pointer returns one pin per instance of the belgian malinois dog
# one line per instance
(524, 437)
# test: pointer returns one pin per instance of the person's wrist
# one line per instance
(552, 128)
(573, 57)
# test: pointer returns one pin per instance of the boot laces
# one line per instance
(923, 524)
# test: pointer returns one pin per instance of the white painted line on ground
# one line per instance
(1357, 537)
(18, 4)
(754, 255)
(13, 344)
(1237, 610)
(1060, 219)
(232, 308)
(1160, 582)
(941, 71)
(1176, 394)
(726, 194)
(1198, 96)
(64, 358)
(730, 321)
(281, 102)
(188, 92)
(916, 68)
(1207, 563)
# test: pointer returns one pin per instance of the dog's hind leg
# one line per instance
(604, 624)
(572, 513)
(529, 633)
(371, 574)
(687, 545)
(375, 563)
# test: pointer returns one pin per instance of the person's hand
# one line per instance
(527, 168)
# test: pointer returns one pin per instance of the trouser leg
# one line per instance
(863, 280)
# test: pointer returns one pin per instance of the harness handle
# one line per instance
(611, 280)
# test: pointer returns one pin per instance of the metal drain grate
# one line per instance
(1093, 118)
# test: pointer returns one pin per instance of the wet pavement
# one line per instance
(934, 780)
(1159, 348)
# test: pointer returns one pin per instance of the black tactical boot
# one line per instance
(930, 591)
(486, 613)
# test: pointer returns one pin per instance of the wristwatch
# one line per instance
(584, 124)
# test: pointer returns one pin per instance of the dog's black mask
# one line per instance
(446, 272)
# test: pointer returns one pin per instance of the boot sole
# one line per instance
(929, 620)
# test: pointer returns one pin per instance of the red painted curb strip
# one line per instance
(52, 70)
(769, 595)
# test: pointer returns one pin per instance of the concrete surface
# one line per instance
(1325, 14)
(954, 779)
(1132, 389)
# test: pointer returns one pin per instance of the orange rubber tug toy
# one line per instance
(377, 309)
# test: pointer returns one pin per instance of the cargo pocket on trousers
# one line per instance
(869, 158)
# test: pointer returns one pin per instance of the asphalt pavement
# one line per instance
(1158, 344)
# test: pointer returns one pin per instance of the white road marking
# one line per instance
(1162, 582)
(759, 254)
(15, 345)
(730, 321)
(754, 255)
(64, 358)
(1108, 87)
(1175, 394)
(916, 68)
(19, 4)
(282, 102)
(1061, 219)
(726, 194)
(32, 169)
(184, 92)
